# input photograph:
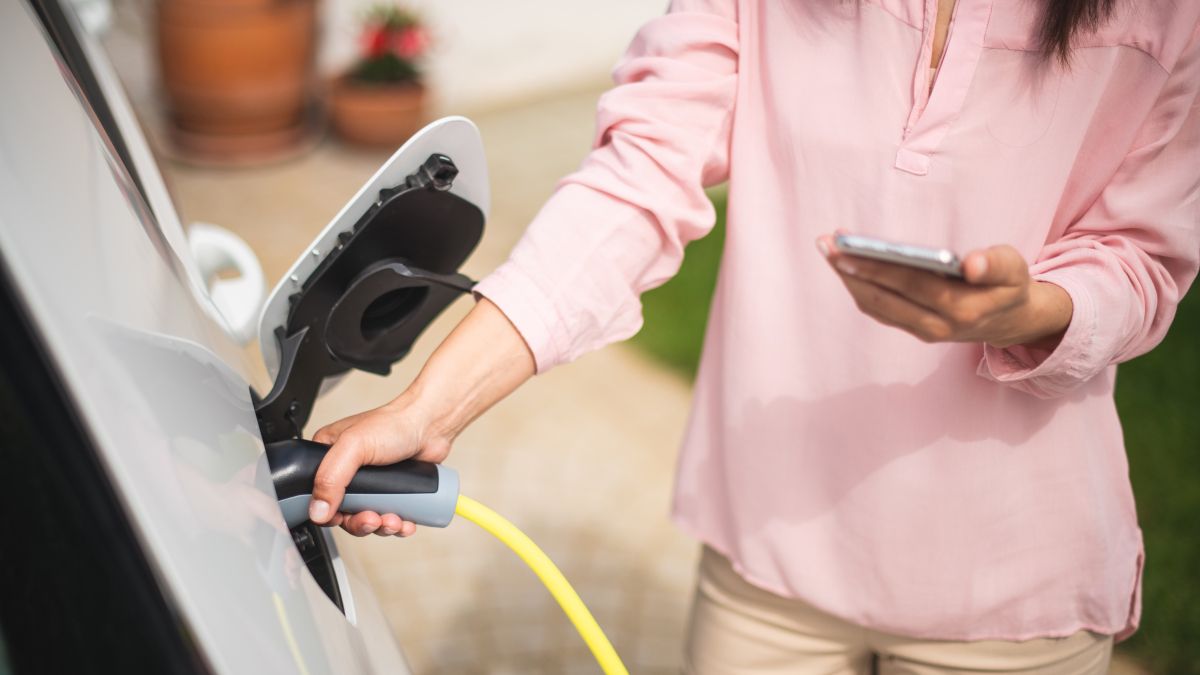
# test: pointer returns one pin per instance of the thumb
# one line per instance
(995, 266)
(337, 468)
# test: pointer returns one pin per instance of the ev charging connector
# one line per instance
(422, 492)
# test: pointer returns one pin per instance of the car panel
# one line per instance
(79, 592)
(156, 379)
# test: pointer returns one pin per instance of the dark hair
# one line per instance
(1062, 20)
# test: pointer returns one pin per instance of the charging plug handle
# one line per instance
(422, 492)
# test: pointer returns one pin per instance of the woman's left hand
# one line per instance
(997, 302)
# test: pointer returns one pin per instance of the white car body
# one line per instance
(97, 263)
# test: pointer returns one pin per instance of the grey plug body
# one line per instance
(420, 492)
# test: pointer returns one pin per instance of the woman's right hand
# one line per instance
(482, 360)
(386, 435)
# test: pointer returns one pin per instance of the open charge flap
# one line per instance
(377, 275)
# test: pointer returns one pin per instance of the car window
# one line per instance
(60, 31)
(5, 666)
(101, 95)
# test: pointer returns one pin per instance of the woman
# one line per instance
(880, 461)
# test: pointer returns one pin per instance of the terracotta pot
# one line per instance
(376, 114)
(237, 70)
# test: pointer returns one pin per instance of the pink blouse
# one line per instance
(946, 491)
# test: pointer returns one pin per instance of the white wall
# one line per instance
(488, 52)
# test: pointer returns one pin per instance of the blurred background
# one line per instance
(268, 115)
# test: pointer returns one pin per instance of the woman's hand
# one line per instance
(997, 302)
(482, 360)
(390, 433)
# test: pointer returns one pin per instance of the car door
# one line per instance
(141, 399)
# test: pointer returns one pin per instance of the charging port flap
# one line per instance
(376, 277)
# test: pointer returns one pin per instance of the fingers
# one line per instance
(394, 525)
(995, 266)
(389, 524)
(362, 524)
(370, 522)
(891, 309)
(376, 436)
(988, 306)
(934, 292)
(337, 468)
(1000, 271)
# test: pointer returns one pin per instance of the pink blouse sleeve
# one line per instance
(618, 226)
(1127, 262)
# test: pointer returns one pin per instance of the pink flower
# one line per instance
(410, 43)
(375, 41)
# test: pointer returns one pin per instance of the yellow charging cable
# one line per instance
(554, 580)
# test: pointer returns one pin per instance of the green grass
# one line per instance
(1158, 396)
(677, 311)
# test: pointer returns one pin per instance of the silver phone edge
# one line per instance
(951, 268)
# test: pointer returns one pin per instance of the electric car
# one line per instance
(142, 527)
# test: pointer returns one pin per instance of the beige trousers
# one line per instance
(740, 629)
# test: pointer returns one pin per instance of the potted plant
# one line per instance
(237, 75)
(381, 99)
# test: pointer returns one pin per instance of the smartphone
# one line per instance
(938, 260)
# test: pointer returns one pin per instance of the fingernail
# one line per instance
(983, 265)
(846, 267)
(318, 510)
(387, 532)
(822, 246)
